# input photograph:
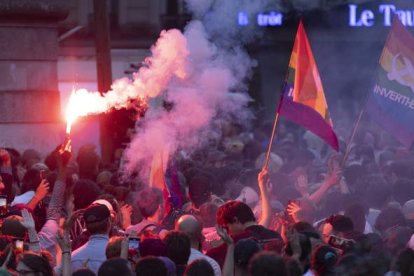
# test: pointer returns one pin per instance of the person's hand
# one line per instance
(126, 211)
(42, 190)
(64, 240)
(5, 159)
(333, 177)
(28, 221)
(293, 207)
(224, 235)
(263, 178)
(64, 153)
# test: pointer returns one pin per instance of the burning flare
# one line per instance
(82, 103)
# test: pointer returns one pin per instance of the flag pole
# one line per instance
(354, 130)
(269, 148)
(351, 138)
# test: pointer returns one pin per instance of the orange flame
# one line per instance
(82, 103)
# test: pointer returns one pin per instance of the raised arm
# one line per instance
(331, 179)
(263, 179)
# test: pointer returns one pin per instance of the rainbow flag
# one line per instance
(391, 103)
(303, 100)
(164, 176)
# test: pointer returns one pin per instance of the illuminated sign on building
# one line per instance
(366, 17)
(272, 18)
(357, 17)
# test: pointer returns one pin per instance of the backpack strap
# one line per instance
(146, 228)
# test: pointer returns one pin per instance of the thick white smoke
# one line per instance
(210, 88)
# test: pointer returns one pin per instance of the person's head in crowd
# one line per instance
(31, 262)
(371, 243)
(243, 252)
(97, 219)
(178, 249)
(199, 189)
(85, 192)
(83, 272)
(104, 178)
(12, 227)
(249, 196)
(6, 183)
(152, 247)
(293, 266)
(113, 206)
(267, 263)
(337, 225)
(376, 192)
(192, 227)
(308, 230)
(305, 246)
(16, 163)
(199, 267)
(113, 248)
(115, 266)
(170, 265)
(208, 214)
(31, 181)
(386, 158)
(30, 157)
(150, 266)
(356, 212)
(389, 217)
(399, 170)
(233, 188)
(150, 204)
(235, 216)
(408, 209)
(88, 161)
(353, 174)
(362, 265)
(323, 260)
(405, 262)
(403, 190)
(364, 153)
(397, 238)
(275, 162)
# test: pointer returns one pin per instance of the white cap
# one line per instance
(248, 195)
(104, 202)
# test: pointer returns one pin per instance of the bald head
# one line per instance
(190, 226)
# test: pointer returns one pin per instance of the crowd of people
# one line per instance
(311, 211)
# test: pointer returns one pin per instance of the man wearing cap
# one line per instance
(92, 254)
